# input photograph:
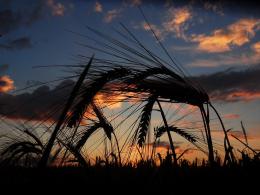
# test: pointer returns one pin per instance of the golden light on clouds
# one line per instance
(251, 57)
(176, 22)
(111, 102)
(244, 95)
(57, 9)
(6, 84)
(158, 32)
(256, 47)
(221, 40)
(237, 96)
(112, 14)
(98, 7)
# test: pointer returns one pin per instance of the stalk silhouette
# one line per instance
(168, 133)
(136, 74)
(46, 153)
(143, 73)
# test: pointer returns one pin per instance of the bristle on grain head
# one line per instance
(167, 85)
(159, 131)
(145, 120)
(90, 90)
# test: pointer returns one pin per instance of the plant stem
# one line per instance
(225, 133)
(47, 151)
(168, 133)
(118, 149)
(205, 118)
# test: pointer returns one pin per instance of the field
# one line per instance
(143, 179)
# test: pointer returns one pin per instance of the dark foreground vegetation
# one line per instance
(144, 177)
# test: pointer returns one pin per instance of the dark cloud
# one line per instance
(17, 44)
(226, 86)
(9, 21)
(42, 103)
(12, 19)
(232, 85)
(36, 13)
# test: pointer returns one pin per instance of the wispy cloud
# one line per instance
(184, 48)
(222, 40)
(17, 44)
(251, 57)
(57, 8)
(209, 62)
(112, 14)
(176, 21)
(237, 133)
(236, 96)
(6, 84)
(216, 7)
(135, 2)
(98, 7)
(240, 135)
(11, 19)
(231, 116)
(158, 32)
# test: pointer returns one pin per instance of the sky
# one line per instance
(217, 42)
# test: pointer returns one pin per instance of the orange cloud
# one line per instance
(58, 9)
(256, 47)
(112, 14)
(245, 96)
(115, 99)
(98, 7)
(111, 102)
(237, 96)
(221, 40)
(250, 58)
(219, 135)
(6, 84)
(205, 63)
(177, 21)
(159, 33)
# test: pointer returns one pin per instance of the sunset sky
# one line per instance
(218, 43)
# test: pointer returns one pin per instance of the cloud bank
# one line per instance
(226, 86)
(232, 85)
